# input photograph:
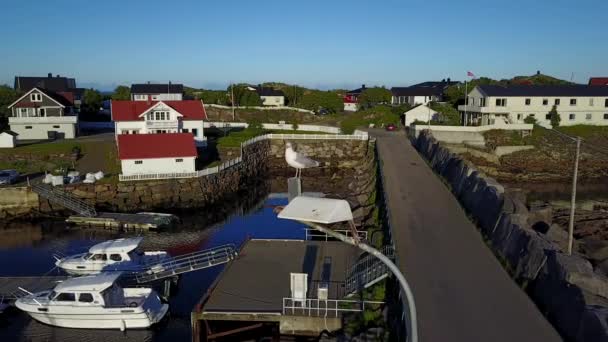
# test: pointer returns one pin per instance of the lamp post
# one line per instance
(312, 211)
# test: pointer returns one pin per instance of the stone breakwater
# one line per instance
(566, 288)
(347, 171)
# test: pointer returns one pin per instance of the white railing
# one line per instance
(261, 108)
(279, 126)
(325, 307)
(233, 162)
(162, 124)
(313, 234)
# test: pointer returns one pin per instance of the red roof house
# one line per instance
(134, 110)
(147, 146)
(599, 81)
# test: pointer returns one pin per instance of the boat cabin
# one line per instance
(115, 250)
(98, 290)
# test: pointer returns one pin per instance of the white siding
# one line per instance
(273, 100)
(7, 140)
(350, 107)
(157, 97)
(421, 113)
(157, 165)
(37, 131)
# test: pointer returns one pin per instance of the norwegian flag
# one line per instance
(470, 74)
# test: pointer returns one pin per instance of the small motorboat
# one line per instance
(94, 302)
(112, 255)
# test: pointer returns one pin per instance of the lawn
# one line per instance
(234, 139)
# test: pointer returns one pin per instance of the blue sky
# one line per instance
(314, 43)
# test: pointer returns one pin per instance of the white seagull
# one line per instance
(298, 160)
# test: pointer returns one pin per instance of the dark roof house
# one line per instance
(416, 91)
(543, 90)
(55, 84)
(155, 88)
(434, 84)
(267, 91)
(357, 91)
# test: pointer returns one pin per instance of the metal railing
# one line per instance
(313, 307)
(230, 163)
(65, 199)
(313, 234)
(368, 271)
(187, 263)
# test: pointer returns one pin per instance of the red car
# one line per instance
(391, 127)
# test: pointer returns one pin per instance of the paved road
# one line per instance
(462, 292)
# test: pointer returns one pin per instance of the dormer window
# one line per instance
(36, 97)
(159, 116)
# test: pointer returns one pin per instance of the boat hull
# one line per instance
(122, 319)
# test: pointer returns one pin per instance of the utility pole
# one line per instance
(232, 101)
(573, 200)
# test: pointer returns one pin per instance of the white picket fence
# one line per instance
(216, 169)
(302, 110)
(269, 126)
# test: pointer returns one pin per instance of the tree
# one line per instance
(293, 95)
(220, 97)
(121, 93)
(374, 96)
(7, 96)
(530, 120)
(250, 98)
(554, 117)
(92, 101)
(316, 99)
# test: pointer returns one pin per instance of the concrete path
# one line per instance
(462, 292)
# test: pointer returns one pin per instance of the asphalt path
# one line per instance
(462, 293)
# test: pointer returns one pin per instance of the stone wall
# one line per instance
(566, 288)
(347, 171)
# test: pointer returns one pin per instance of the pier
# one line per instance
(253, 291)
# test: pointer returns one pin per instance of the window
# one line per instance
(157, 115)
(42, 112)
(139, 162)
(557, 102)
(471, 101)
(572, 117)
(184, 130)
(520, 116)
(149, 117)
(35, 97)
(588, 116)
(606, 103)
(548, 117)
(528, 101)
(591, 102)
(56, 126)
(85, 298)
(124, 132)
(482, 102)
(99, 257)
(28, 127)
(115, 257)
(545, 102)
(23, 111)
(532, 116)
(179, 160)
(605, 116)
(195, 132)
(501, 102)
(573, 102)
(66, 297)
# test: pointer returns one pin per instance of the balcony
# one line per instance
(162, 124)
(70, 119)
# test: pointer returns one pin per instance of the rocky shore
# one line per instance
(567, 288)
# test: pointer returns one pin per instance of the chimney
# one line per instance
(449, 80)
(58, 76)
(50, 75)
(148, 82)
(363, 86)
(538, 72)
(149, 100)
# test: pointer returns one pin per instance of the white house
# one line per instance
(351, 99)
(575, 104)
(156, 153)
(146, 117)
(270, 96)
(42, 114)
(157, 92)
(8, 139)
(421, 113)
(415, 96)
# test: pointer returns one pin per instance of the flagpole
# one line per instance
(466, 101)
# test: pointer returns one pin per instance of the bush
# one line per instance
(530, 120)
(554, 117)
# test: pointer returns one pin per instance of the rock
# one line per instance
(595, 249)
(540, 213)
(594, 325)
(558, 236)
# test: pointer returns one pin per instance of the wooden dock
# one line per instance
(121, 221)
(9, 286)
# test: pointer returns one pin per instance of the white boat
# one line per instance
(112, 255)
(94, 302)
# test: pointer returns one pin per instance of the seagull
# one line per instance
(298, 160)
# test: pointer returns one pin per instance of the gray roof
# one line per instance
(56, 84)
(267, 91)
(543, 90)
(416, 91)
(150, 88)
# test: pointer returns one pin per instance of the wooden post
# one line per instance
(573, 199)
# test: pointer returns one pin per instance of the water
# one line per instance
(27, 249)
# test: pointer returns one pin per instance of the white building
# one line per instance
(8, 139)
(156, 153)
(152, 117)
(420, 113)
(42, 114)
(576, 104)
(270, 96)
(157, 92)
(415, 96)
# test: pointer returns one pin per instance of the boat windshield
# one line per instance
(51, 295)
(87, 256)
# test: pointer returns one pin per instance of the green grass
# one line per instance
(380, 115)
(59, 147)
(585, 131)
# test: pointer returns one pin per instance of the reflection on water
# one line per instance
(26, 249)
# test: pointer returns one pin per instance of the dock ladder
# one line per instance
(65, 199)
(368, 271)
(187, 263)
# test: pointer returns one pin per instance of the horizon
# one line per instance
(210, 46)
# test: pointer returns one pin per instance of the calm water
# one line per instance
(27, 250)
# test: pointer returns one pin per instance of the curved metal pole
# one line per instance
(413, 328)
